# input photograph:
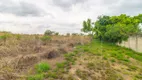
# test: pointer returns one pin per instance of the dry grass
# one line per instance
(21, 52)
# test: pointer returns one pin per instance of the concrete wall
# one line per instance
(131, 43)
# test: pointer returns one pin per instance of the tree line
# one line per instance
(113, 29)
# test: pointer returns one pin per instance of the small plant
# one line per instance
(36, 77)
(42, 67)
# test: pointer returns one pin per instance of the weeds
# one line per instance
(82, 74)
(139, 76)
(112, 60)
(52, 75)
(109, 52)
(132, 67)
(70, 57)
(36, 77)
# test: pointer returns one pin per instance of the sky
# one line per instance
(63, 16)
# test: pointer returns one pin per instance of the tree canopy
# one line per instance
(114, 28)
(87, 27)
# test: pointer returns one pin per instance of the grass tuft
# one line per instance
(42, 67)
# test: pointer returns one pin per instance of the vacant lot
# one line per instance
(75, 57)
(20, 53)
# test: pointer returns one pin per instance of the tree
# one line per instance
(48, 32)
(100, 26)
(116, 28)
(113, 28)
(87, 27)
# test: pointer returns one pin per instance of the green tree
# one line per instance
(113, 28)
(116, 28)
(88, 27)
(48, 32)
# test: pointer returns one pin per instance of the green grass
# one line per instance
(111, 50)
(36, 77)
(45, 38)
(115, 55)
(42, 67)
(52, 75)
(70, 58)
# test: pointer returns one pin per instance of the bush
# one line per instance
(42, 67)
(36, 77)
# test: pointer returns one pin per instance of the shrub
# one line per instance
(42, 67)
(36, 77)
